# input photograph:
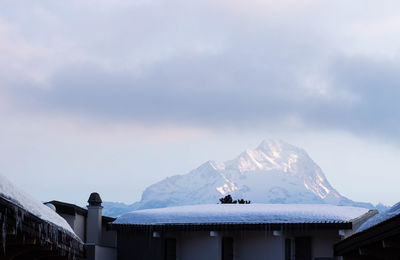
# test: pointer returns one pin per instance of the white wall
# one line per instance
(79, 226)
(258, 245)
(322, 241)
(69, 218)
(249, 245)
(198, 246)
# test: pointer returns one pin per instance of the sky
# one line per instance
(112, 96)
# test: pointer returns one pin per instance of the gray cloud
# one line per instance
(222, 91)
(377, 83)
(205, 92)
(230, 66)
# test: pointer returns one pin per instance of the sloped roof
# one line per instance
(381, 217)
(15, 195)
(68, 208)
(373, 236)
(243, 214)
(32, 229)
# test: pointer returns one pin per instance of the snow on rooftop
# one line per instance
(33, 206)
(243, 214)
(378, 218)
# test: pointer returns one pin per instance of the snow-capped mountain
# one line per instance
(274, 172)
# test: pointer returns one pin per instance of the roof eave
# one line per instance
(19, 221)
(388, 228)
(68, 208)
(230, 226)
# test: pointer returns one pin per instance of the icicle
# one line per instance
(50, 235)
(46, 232)
(17, 221)
(22, 215)
(40, 233)
(54, 233)
(4, 231)
(63, 237)
(13, 229)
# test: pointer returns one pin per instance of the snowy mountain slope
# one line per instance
(274, 172)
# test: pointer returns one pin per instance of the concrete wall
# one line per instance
(108, 237)
(94, 224)
(69, 218)
(77, 223)
(199, 245)
(79, 226)
(105, 248)
(139, 246)
(322, 241)
(250, 245)
(94, 252)
(106, 253)
(258, 245)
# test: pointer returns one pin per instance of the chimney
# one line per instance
(94, 218)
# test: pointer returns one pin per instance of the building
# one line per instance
(30, 230)
(378, 238)
(91, 227)
(236, 231)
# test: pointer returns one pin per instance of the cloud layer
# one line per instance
(205, 63)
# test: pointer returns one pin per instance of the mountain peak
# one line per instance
(276, 146)
(270, 141)
(274, 172)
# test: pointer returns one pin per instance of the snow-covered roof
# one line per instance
(378, 218)
(243, 214)
(33, 206)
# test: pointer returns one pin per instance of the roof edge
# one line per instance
(229, 226)
(68, 208)
(37, 228)
(358, 221)
(380, 231)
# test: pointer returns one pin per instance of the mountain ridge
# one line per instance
(273, 172)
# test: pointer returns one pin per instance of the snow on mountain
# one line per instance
(274, 172)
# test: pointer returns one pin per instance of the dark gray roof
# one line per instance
(71, 209)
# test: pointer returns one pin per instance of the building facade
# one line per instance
(91, 227)
(240, 232)
(378, 238)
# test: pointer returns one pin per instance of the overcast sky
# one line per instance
(112, 96)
